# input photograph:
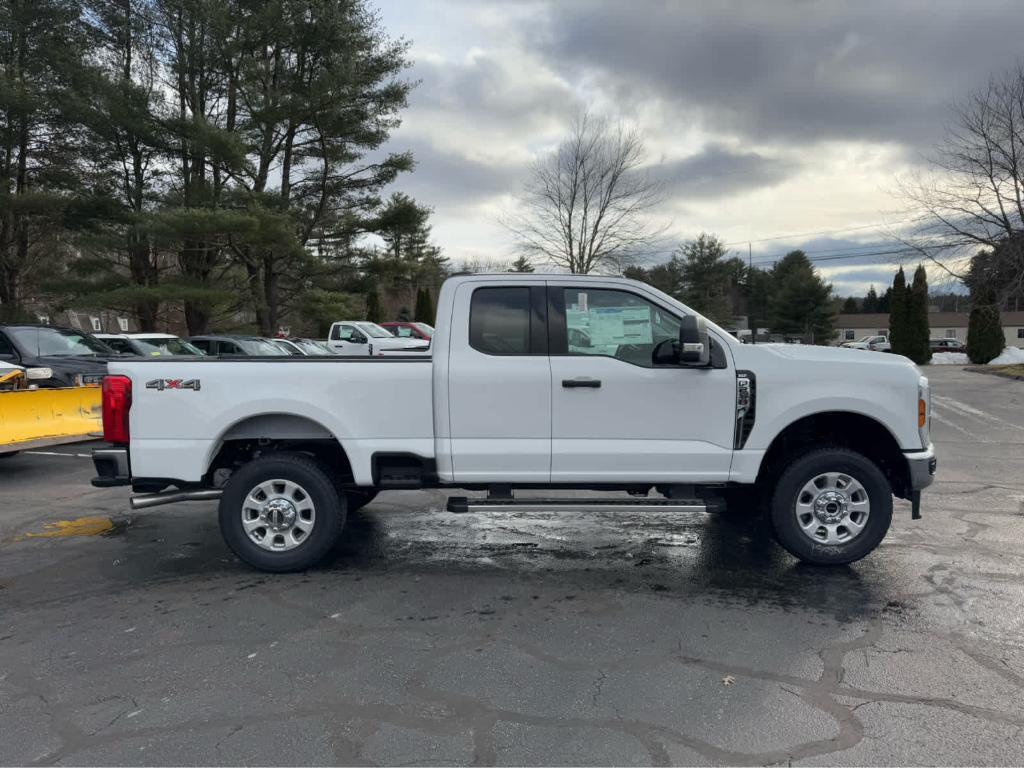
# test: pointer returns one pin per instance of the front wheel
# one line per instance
(281, 513)
(831, 506)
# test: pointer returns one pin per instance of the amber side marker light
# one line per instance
(922, 413)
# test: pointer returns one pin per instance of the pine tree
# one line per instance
(850, 306)
(374, 311)
(800, 303)
(522, 264)
(985, 338)
(424, 307)
(705, 277)
(917, 345)
(41, 64)
(870, 303)
(898, 314)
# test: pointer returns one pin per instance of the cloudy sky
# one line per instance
(783, 124)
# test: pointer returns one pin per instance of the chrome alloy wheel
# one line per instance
(278, 515)
(832, 508)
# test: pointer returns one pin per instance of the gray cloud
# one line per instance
(798, 71)
(445, 179)
(716, 171)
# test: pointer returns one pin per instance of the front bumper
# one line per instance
(112, 467)
(922, 465)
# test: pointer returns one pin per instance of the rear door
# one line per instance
(618, 416)
(499, 385)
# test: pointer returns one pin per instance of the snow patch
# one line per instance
(950, 358)
(1010, 356)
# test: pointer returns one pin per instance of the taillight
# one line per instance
(117, 401)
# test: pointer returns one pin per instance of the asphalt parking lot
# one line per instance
(432, 638)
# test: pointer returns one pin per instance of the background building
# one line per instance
(941, 325)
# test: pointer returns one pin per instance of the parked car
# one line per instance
(404, 330)
(360, 338)
(288, 347)
(62, 357)
(149, 344)
(311, 347)
(947, 345)
(658, 399)
(236, 346)
(874, 343)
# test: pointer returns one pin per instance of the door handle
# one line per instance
(586, 383)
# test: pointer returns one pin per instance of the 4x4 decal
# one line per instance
(162, 384)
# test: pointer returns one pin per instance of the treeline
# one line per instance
(790, 298)
(220, 159)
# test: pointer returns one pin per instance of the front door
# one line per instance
(347, 340)
(499, 386)
(615, 412)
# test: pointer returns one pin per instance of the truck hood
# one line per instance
(747, 355)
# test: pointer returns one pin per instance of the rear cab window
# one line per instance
(501, 321)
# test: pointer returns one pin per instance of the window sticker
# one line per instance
(602, 330)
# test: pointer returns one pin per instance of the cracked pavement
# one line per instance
(505, 639)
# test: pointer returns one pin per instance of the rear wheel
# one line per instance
(281, 513)
(831, 506)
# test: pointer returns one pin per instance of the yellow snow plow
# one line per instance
(35, 418)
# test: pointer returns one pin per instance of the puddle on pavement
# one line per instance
(83, 526)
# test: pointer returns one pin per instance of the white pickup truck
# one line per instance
(535, 382)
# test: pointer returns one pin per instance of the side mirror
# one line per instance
(694, 345)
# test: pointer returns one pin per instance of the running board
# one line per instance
(461, 504)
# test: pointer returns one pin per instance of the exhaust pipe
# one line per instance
(147, 500)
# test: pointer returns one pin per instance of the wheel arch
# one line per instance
(252, 436)
(847, 429)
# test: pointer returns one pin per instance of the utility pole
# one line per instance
(751, 316)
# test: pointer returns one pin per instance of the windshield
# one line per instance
(158, 346)
(374, 331)
(865, 339)
(427, 329)
(311, 347)
(263, 348)
(57, 342)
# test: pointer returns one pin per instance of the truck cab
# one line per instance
(596, 384)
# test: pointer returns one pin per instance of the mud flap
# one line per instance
(915, 505)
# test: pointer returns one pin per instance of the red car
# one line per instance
(946, 345)
(409, 330)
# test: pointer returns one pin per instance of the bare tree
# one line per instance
(975, 196)
(584, 206)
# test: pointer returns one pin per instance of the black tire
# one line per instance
(803, 470)
(329, 505)
(359, 498)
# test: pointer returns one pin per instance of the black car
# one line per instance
(74, 358)
(236, 346)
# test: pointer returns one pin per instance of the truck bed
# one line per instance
(183, 409)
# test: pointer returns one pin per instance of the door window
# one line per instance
(203, 345)
(617, 324)
(499, 321)
(343, 333)
(6, 348)
(228, 348)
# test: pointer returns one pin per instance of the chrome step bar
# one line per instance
(461, 504)
(147, 500)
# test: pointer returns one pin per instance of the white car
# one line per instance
(148, 344)
(360, 338)
(536, 381)
(874, 343)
